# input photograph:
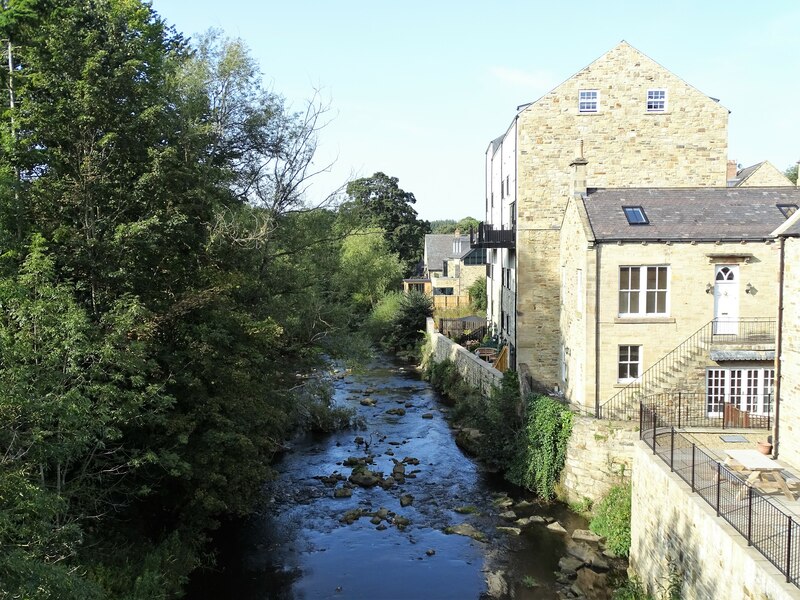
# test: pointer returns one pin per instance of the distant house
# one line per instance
(762, 174)
(682, 277)
(450, 267)
(788, 384)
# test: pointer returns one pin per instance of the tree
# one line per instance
(379, 201)
(791, 173)
(477, 295)
(450, 226)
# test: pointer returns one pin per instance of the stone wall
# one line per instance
(789, 439)
(599, 455)
(474, 371)
(675, 533)
(685, 145)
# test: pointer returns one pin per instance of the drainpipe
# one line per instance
(597, 330)
(778, 350)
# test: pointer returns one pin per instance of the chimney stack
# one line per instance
(578, 176)
(732, 170)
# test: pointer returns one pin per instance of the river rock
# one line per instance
(503, 502)
(406, 500)
(427, 415)
(588, 556)
(496, 585)
(401, 522)
(358, 440)
(508, 515)
(382, 513)
(381, 527)
(430, 552)
(368, 402)
(375, 520)
(396, 411)
(557, 527)
(388, 483)
(409, 405)
(569, 565)
(509, 530)
(398, 469)
(410, 460)
(526, 521)
(365, 478)
(342, 492)
(467, 530)
(584, 535)
(469, 440)
(351, 516)
(522, 505)
(593, 584)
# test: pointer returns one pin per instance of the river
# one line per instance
(301, 544)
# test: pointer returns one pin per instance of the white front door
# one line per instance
(726, 299)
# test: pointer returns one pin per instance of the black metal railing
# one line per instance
(763, 523)
(692, 409)
(486, 236)
(664, 373)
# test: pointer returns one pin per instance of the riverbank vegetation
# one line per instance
(165, 287)
(527, 440)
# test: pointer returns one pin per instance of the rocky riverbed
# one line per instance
(398, 511)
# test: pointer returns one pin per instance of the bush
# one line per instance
(543, 443)
(612, 520)
(477, 294)
(380, 321)
(397, 320)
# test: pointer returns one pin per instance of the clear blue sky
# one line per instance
(418, 89)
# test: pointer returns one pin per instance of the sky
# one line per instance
(418, 89)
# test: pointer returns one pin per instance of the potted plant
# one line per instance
(765, 447)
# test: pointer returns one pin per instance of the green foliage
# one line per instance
(791, 173)
(163, 282)
(380, 321)
(547, 429)
(477, 295)
(408, 326)
(367, 270)
(632, 589)
(316, 411)
(380, 202)
(450, 225)
(612, 520)
(530, 582)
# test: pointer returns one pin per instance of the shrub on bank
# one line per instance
(612, 519)
(543, 446)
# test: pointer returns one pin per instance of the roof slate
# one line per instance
(439, 247)
(689, 213)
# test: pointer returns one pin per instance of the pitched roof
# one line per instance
(790, 228)
(689, 213)
(439, 247)
(743, 174)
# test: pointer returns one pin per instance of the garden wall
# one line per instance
(474, 371)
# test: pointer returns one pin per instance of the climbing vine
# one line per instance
(543, 449)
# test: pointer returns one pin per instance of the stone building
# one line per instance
(681, 277)
(788, 368)
(624, 121)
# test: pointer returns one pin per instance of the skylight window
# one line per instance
(787, 209)
(635, 215)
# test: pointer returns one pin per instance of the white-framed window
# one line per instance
(629, 364)
(749, 390)
(588, 101)
(644, 290)
(656, 100)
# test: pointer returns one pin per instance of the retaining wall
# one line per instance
(599, 456)
(676, 534)
(474, 371)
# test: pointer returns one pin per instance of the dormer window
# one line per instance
(787, 209)
(656, 100)
(587, 101)
(635, 215)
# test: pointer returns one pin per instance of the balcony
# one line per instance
(488, 237)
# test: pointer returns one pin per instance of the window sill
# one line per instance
(644, 320)
(624, 384)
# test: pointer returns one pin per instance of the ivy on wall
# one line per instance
(548, 426)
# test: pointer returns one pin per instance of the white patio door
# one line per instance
(749, 390)
(726, 299)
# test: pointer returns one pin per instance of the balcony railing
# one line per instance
(487, 236)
